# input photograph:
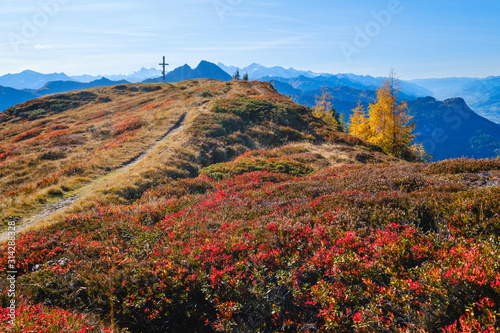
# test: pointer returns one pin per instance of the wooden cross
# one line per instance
(164, 64)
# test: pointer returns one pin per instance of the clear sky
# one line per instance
(420, 39)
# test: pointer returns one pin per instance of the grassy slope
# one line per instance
(53, 146)
(232, 226)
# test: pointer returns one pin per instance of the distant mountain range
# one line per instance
(45, 84)
(448, 129)
(205, 69)
(305, 84)
(257, 71)
(134, 77)
(30, 80)
(482, 94)
(307, 80)
(10, 96)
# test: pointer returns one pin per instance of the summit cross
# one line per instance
(164, 64)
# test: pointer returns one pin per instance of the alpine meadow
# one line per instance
(258, 199)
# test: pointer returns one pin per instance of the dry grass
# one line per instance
(110, 144)
(74, 147)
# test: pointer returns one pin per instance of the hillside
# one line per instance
(450, 129)
(10, 97)
(45, 84)
(481, 94)
(205, 206)
(46, 143)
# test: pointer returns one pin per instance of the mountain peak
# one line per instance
(204, 70)
(29, 71)
(210, 70)
(102, 79)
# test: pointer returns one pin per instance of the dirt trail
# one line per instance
(64, 203)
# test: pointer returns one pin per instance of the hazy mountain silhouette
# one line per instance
(450, 129)
(482, 94)
(10, 97)
(64, 86)
(205, 70)
(257, 71)
(306, 84)
(29, 79)
(137, 76)
(134, 77)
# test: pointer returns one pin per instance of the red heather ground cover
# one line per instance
(381, 248)
(43, 319)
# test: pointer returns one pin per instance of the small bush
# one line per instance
(103, 99)
(55, 191)
(256, 109)
(148, 88)
(27, 135)
(53, 155)
(244, 165)
(120, 87)
(128, 124)
(36, 114)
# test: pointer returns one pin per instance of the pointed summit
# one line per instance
(210, 71)
(204, 70)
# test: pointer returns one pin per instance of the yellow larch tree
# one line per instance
(324, 109)
(388, 124)
(359, 125)
(388, 119)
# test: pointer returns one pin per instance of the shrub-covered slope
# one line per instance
(237, 228)
(56, 145)
(349, 248)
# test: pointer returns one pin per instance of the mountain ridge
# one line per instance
(10, 97)
(205, 69)
(482, 94)
(29, 79)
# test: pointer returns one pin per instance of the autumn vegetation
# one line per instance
(224, 207)
(387, 123)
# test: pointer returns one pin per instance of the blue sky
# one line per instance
(420, 39)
